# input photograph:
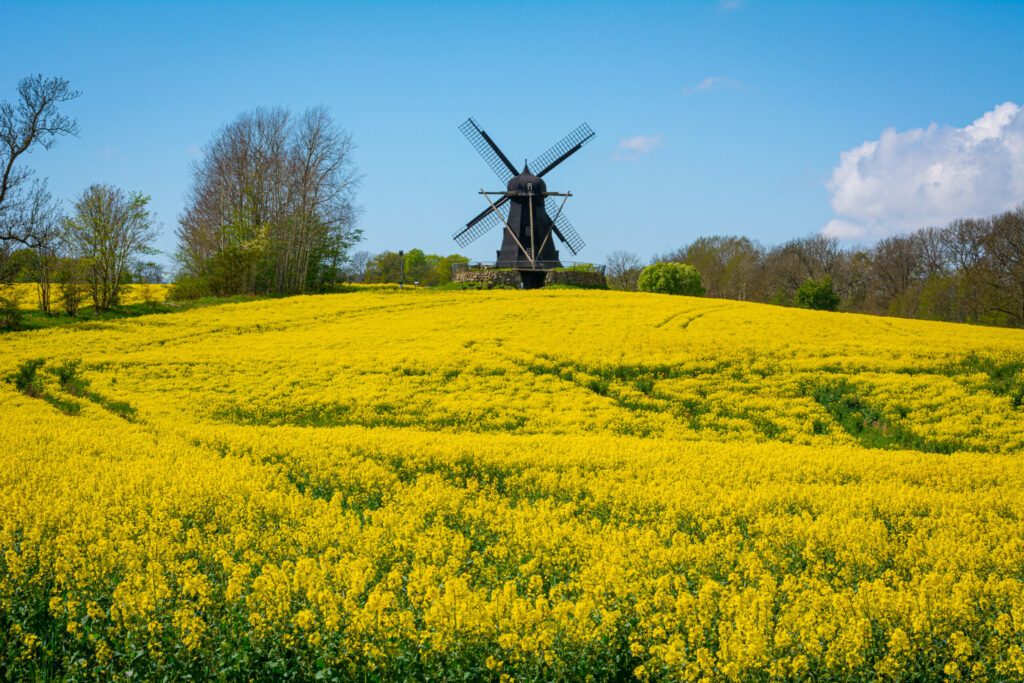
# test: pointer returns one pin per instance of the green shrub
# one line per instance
(26, 379)
(188, 287)
(11, 315)
(817, 295)
(68, 377)
(671, 278)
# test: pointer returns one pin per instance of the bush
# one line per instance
(68, 377)
(188, 287)
(817, 295)
(670, 278)
(26, 379)
(11, 315)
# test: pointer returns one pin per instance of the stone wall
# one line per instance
(510, 278)
(489, 276)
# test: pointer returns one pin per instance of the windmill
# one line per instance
(525, 208)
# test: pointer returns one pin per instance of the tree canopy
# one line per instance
(671, 278)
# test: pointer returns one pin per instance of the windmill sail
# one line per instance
(562, 149)
(483, 144)
(481, 224)
(563, 228)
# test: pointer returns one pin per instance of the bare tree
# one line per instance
(788, 266)
(237, 187)
(41, 215)
(147, 272)
(896, 266)
(271, 207)
(1005, 247)
(728, 265)
(355, 266)
(965, 242)
(33, 120)
(623, 269)
(108, 231)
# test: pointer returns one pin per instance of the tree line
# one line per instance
(971, 270)
(414, 267)
(271, 211)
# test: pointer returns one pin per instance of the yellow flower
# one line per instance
(371, 479)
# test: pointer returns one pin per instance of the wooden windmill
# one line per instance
(525, 208)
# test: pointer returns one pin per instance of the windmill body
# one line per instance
(529, 216)
(531, 234)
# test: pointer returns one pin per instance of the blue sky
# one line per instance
(711, 117)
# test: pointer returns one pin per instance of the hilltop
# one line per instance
(555, 362)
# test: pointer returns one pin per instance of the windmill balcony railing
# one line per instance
(528, 265)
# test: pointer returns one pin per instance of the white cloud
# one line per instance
(631, 149)
(928, 176)
(844, 230)
(712, 83)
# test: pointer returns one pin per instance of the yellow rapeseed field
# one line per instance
(542, 485)
(27, 295)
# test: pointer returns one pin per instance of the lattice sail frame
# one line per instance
(491, 220)
(486, 148)
(562, 149)
(563, 228)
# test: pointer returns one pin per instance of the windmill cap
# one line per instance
(520, 182)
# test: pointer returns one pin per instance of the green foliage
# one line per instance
(671, 278)
(817, 295)
(780, 298)
(444, 266)
(26, 379)
(68, 377)
(418, 265)
(188, 287)
(328, 256)
(725, 263)
(37, 320)
(870, 425)
(242, 264)
(20, 265)
(71, 283)
(1004, 378)
(429, 270)
(384, 267)
(581, 268)
(12, 317)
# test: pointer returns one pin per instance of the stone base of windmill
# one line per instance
(507, 277)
